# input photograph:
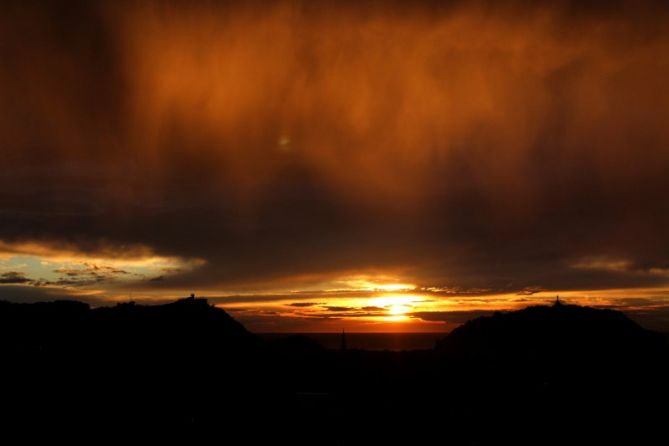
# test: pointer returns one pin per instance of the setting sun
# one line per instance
(399, 309)
(395, 307)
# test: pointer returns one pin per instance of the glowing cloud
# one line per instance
(62, 265)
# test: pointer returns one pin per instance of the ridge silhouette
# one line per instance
(189, 370)
(554, 334)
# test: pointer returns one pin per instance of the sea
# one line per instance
(369, 341)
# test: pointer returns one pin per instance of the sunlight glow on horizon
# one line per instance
(392, 312)
(359, 303)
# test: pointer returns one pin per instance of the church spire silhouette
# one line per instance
(343, 340)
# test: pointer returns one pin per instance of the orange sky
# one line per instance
(267, 154)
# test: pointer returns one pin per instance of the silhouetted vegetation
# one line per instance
(543, 375)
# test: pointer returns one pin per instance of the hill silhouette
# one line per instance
(554, 336)
(596, 370)
(128, 366)
(542, 375)
(187, 322)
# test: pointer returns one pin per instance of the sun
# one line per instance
(398, 309)
(397, 305)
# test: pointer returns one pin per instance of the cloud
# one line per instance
(466, 148)
(95, 263)
(88, 274)
(372, 308)
(450, 317)
(528, 291)
(13, 277)
(339, 309)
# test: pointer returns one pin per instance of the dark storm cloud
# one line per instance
(499, 147)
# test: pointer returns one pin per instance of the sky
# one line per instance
(318, 165)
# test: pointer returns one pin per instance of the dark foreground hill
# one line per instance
(186, 323)
(557, 336)
(68, 367)
(578, 372)
(187, 371)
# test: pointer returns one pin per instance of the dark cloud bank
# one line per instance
(477, 144)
